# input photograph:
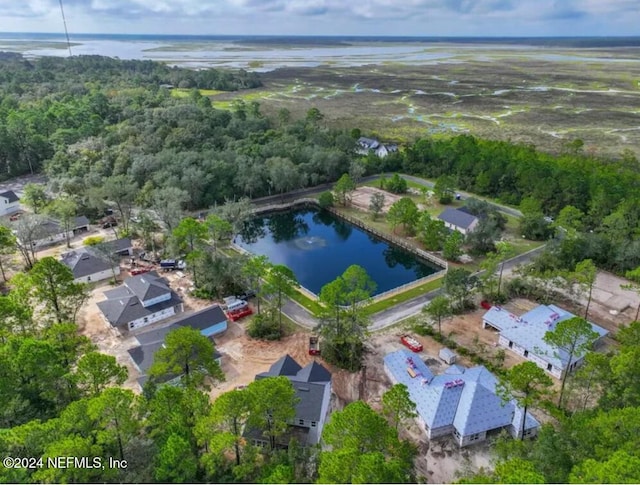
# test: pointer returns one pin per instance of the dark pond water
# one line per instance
(319, 246)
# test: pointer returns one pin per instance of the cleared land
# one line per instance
(503, 96)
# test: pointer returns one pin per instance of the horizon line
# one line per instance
(342, 35)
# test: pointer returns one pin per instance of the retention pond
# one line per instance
(319, 246)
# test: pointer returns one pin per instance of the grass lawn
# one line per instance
(313, 306)
(402, 297)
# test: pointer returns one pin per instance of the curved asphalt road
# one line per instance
(401, 311)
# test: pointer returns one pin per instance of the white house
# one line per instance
(140, 301)
(524, 336)
(457, 220)
(461, 402)
(88, 266)
(312, 385)
(365, 145)
(52, 231)
(9, 203)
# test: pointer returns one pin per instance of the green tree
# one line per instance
(452, 248)
(229, 415)
(343, 189)
(459, 284)
(344, 323)
(325, 199)
(190, 234)
(186, 354)
(280, 282)
(96, 371)
(219, 229)
(570, 218)
(432, 232)
(363, 447)
(167, 203)
(575, 338)
(444, 188)
(585, 275)
(64, 209)
(405, 212)
(517, 470)
(35, 197)
(314, 116)
(527, 384)
(176, 463)
(273, 406)
(376, 204)
(621, 467)
(437, 309)
(50, 284)
(254, 271)
(7, 247)
(397, 405)
(121, 190)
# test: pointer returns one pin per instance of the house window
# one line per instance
(474, 437)
(301, 422)
(526, 353)
(313, 424)
(88, 278)
(131, 325)
(510, 344)
(146, 320)
(549, 367)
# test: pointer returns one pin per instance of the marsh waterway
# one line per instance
(318, 246)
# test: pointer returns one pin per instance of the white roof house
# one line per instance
(524, 335)
(462, 401)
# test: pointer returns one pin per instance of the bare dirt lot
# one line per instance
(361, 198)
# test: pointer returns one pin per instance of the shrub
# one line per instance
(93, 240)
(326, 199)
(264, 327)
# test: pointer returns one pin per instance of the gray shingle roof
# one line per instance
(457, 218)
(467, 400)
(80, 221)
(314, 372)
(309, 382)
(10, 195)
(123, 306)
(118, 245)
(83, 262)
(147, 286)
(284, 366)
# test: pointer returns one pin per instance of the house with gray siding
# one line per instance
(142, 300)
(312, 385)
(458, 220)
(88, 266)
(461, 402)
(524, 335)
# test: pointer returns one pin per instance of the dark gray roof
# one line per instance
(370, 143)
(314, 372)
(457, 218)
(150, 343)
(202, 319)
(147, 286)
(80, 221)
(310, 397)
(122, 307)
(119, 245)
(10, 195)
(285, 366)
(84, 262)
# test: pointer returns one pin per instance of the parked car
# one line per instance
(246, 295)
(107, 222)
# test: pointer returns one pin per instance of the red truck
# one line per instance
(240, 313)
(140, 270)
(411, 343)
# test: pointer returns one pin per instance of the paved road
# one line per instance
(409, 308)
(296, 194)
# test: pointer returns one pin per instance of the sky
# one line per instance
(327, 17)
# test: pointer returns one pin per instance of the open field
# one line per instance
(505, 96)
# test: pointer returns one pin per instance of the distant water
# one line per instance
(265, 53)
